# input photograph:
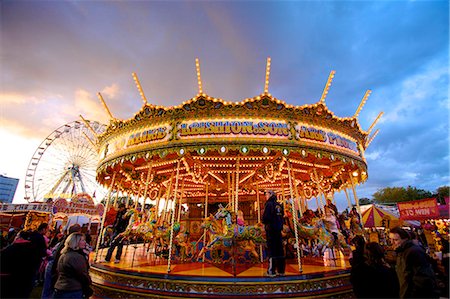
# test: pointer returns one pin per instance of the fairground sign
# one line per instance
(418, 209)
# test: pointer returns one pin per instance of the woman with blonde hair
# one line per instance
(73, 276)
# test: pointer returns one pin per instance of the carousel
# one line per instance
(197, 173)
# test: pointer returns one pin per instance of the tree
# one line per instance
(365, 201)
(392, 195)
(442, 193)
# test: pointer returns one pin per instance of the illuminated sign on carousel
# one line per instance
(234, 128)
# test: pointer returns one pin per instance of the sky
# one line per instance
(56, 55)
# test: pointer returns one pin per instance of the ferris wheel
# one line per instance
(65, 163)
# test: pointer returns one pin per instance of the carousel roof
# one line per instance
(260, 142)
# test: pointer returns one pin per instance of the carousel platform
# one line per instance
(142, 275)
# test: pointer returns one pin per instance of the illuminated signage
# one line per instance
(147, 136)
(321, 135)
(262, 128)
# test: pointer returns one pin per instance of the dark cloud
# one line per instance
(57, 55)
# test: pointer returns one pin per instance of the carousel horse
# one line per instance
(108, 233)
(355, 226)
(323, 231)
(223, 233)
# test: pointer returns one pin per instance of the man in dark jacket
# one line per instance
(414, 271)
(273, 220)
(120, 225)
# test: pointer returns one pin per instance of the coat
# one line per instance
(415, 273)
(73, 272)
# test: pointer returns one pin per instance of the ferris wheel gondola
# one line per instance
(64, 164)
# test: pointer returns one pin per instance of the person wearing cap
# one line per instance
(273, 221)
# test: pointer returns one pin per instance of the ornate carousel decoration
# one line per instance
(208, 155)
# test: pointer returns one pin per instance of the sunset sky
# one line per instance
(56, 55)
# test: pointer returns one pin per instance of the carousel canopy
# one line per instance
(224, 149)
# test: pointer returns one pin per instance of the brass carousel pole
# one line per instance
(229, 188)
(236, 209)
(297, 196)
(146, 185)
(181, 199)
(259, 219)
(168, 191)
(294, 214)
(100, 236)
(354, 194)
(136, 204)
(158, 199)
(206, 215)
(319, 195)
(282, 192)
(117, 197)
(236, 205)
(348, 199)
(173, 217)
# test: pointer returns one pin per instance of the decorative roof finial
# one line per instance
(104, 105)
(266, 82)
(327, 87)
(374, 122)
(372, 138)
(363, 101)
(141, 91)
(199, 77)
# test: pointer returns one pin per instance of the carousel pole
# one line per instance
(354, 194)
(158, 198)
(136, 204)
(127, 200)
(259, 219)
(232, 190)
(236, 206)
(282, 193)
(146, 185)
(168, 191)
(100, 236)
(236, 209)
(181, 198)
(348, 199)
(229, 188)
(206, 215)
(116, 199)
(294, 213)
(297, 196)
(173, 217)
(319, 197)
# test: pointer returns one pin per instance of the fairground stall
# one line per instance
(57, 213)
(204, 165)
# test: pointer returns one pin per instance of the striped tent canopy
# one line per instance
(374, 216)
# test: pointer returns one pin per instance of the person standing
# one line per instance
(73, 270)
(17, 267)
(51, 272)
(414, 271)
(120, 225)
(374, 278)
(273, 221)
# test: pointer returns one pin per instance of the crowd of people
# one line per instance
(399, 267)
(57, 260)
